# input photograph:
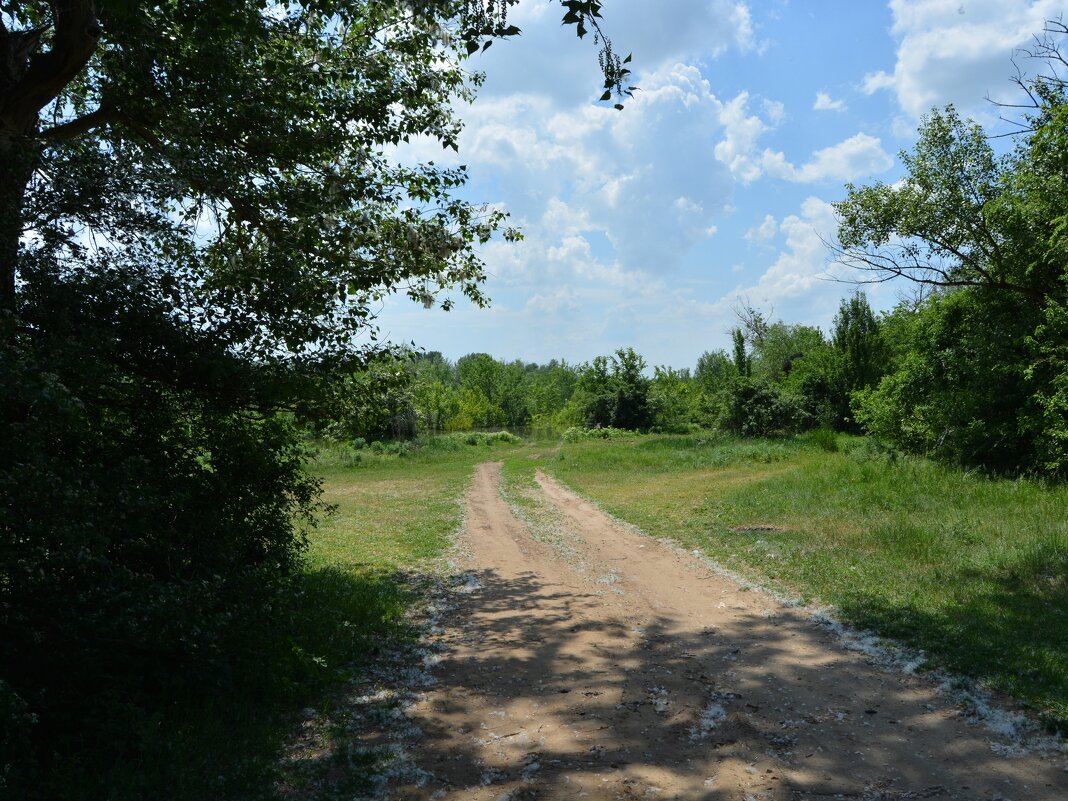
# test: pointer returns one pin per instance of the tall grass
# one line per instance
(972, 570)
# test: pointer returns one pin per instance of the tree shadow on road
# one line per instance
(547, 696)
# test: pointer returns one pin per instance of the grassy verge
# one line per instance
(972, 570)
(275, 726)
(392, 517)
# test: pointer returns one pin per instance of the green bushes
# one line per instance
(327, 452)
(150, 520)
(978, 368)
(755, 408)
(959, 391)
(822, 438)
(578, 434)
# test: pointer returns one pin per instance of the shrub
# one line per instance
(150, 519)
(457, 440)
(823, 438)
(397, 448)
(756, 408)
(577, 434)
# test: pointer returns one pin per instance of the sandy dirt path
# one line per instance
(618, 668)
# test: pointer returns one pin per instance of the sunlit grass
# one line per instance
(394, 512)
(973, 570)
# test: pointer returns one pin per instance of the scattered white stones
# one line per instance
(530, 770)
(1021, 729)
(469, 584)
(711, 716)
(658, 697)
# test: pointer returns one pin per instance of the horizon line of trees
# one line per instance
(779, 378)
(942, 376)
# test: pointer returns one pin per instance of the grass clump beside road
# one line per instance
(392, 514)
(972, 570)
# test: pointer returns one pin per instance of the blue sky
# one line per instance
(643, 228)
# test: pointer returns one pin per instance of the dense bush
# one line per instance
(614, 392)
(959, 391)
(757, 408)
(149, 519)
(577, 434)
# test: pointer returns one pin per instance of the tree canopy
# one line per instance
(201, 209)
(981, 375)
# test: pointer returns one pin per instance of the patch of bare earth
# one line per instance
(636, 672)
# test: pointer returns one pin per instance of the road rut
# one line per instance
(620, 668)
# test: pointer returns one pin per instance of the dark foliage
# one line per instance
(149, 513)
(615, 392)
(757, 408)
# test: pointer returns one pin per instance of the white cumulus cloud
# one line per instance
(798, 278)
(824, 102)
(764, 230)
(741, 131)
(958, 51)
(856, 157)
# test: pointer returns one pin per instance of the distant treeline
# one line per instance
(778, 379)
(911, 377)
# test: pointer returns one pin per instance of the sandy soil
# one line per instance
(614, 667)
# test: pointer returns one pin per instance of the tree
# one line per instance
(981, 379)
(713, 370)
(615, 392)
(781, 346)
(260, 123)
(632, 408)
(594, 393)
(857, 338)
(742, 364)
(673, 398)
(198, 217)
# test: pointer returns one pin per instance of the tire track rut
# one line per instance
(642, 674)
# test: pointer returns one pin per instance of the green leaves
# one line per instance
(980, 371)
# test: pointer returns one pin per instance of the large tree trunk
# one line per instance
(18, 157)
(29, 81)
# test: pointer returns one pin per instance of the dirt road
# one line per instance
(609, 666)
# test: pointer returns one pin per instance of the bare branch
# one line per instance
(104, 115)
(891, 263)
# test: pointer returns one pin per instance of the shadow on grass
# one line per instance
(227, 738)
(1007, 628)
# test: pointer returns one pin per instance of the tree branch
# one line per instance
(76, 127)
(886, 266)
(77, 32)
(241, 209)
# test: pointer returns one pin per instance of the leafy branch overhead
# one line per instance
(586, 14)
(249, 142)
(486, 20)
(202, 211)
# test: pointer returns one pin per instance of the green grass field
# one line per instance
(972, 570)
